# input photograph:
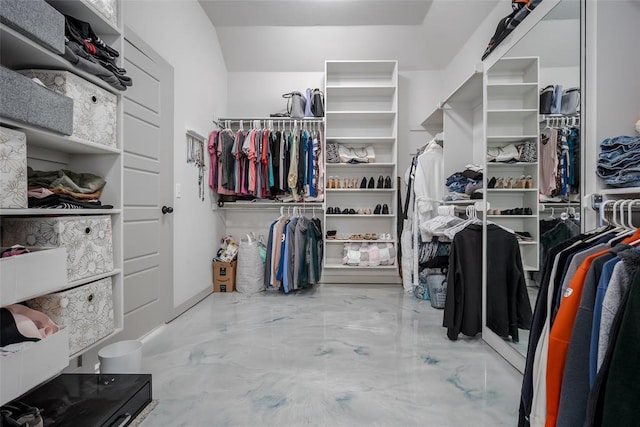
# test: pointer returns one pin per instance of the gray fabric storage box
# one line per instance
(24, 100)
(35, 19)
(94, 109)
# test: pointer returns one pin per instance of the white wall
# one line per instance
(183, 35)
(566, 76)
(258, 94)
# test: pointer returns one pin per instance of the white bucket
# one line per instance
(122, 357)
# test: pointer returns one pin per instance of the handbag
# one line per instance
(295, 104)
(570, 101)
(546, 99)
(317, 103)
(357, 155)
(333, 152)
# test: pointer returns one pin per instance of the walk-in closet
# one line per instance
(331, 213)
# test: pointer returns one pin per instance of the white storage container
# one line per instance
(94, 109)
(19, 280)
(87, 239)
(108, 8)
(37, 363)
(86, 311)
(13, 169)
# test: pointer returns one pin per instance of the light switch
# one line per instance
(178, 191)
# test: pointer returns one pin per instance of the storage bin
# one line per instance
(87, 239)
(13, 169)
(40, 361)
(94, 109)
(37, 20)
(19, 280)
(86, 311)
(108, 8)
(24, 100)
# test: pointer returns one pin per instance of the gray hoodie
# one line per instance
(618, 285)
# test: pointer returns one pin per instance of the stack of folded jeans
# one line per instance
(619, 161)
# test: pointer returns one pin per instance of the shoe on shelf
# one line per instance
(329, 211)
(367, 211)
(387, 182)
(508, 183)
(363, 183)
(372, 183)
(529, 182)
(380, 182)
(352, 211)
(527, 211)
(360, 211)
(374, 236)
(500, 182)
(520, 182)
(492, 182)
(354, 183)
(378, 209)
(385, 209)
(331, 234)
(336, 211)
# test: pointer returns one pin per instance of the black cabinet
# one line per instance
(91, 399)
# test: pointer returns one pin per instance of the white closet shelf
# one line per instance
(269, 205)
(509, 138)
(359, 165)
(39, 212)
(19, 52)
(501, 164)
(525, 243)
(511, 112)
(85, 11)
(360, 140)
(512, 190)
(364, 89)
(55, 141)
(464, 202)
(380, 267)
(374, 115)
(359, 241)
(620, 191)
(361, 216)
(510, 89)
(513, 216)
(111, 273)
(360, 190)
(529, 267)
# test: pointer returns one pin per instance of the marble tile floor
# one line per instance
(335, 355)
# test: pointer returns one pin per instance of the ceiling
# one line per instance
(268, 35)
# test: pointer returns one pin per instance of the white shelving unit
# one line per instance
(51, 151)
(361, 110)
(511, 92)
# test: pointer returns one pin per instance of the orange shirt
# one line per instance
(561, 333)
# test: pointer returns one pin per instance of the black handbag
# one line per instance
(547, 99)
(317, 103)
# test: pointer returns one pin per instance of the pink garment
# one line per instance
(32, 323)
(39, 193)
(548, 162)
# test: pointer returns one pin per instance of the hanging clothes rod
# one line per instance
(287, 119)
(196, 135)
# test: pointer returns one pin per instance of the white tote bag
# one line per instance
(250, 273)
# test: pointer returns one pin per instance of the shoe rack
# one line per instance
(511, 93)
(361, 110)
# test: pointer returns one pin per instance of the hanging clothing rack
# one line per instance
(226, 122)
(556, 121)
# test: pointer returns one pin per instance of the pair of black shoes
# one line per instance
(384, 209)
(346, 211)
(382, 182)
(517, 211)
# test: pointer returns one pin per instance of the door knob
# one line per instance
(167, 209)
